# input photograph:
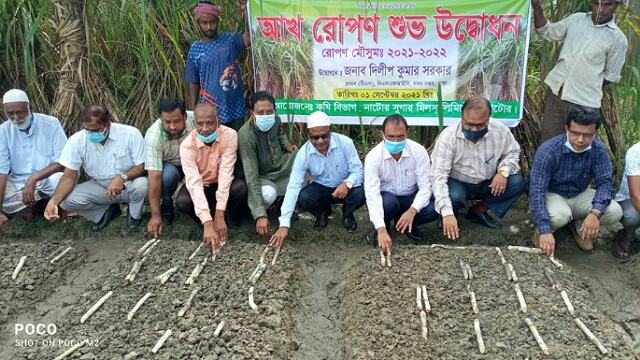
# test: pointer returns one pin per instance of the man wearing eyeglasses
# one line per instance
(559, 192)
(592, 55)
(475, 159)
(112, 155)
(336, 170)
(397, 184)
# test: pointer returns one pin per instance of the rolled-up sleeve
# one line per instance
(225, 170)
(615, 60)
(510, 159)
(193, 182)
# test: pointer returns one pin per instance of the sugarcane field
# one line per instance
(327, 295)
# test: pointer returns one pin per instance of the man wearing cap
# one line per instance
(213, 71)
(475, 159)
(162, 160)
(592, 55)
(112, 155)
(267, 157)
(30, 146)
(208, 155)
(336, 170)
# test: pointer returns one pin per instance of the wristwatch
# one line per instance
(349, 184)
(597, 214)
(124, 177)
(504, 173)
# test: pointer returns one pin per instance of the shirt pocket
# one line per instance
(40, 161)
(122, 164)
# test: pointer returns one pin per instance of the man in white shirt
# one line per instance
(30, 145)
(397, 184)
(629, 199)
(112, 155)
(475, 159)
(592, 55)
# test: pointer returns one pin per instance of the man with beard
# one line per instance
(213, 71)
(30, 146)
(592, 55)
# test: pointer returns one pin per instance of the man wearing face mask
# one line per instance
(213, 71)
(267, 157)
(397, 184)
(336, 170)
(112, 155)
(559, 192)
(30, 146)
(162, 160)
(475, 159)
(592, 55)
(208, 156)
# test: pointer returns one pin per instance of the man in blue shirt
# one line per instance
(337, 173)
(213, 71)
(559, 192)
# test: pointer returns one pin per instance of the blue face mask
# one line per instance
(96, 137)
(475, 135)
(395, 147)
(265, 122)
(573, 150)
(167, 134)
(208, 139)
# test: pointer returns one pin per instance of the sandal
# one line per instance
(67, 216)
(622, 245)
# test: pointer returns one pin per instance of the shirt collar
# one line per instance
(332, 145)
(112, 134)
(200, 144)
(611, 24)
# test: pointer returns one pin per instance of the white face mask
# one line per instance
(25, 123)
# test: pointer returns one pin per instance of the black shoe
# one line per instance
(232, 223)
(415, 235)
(322, 221)
(350, 224)
(167, 212)
(131, 222)
(485, 219)
(112, 212)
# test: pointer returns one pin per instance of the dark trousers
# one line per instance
(555, 115)
(317, 200)
(171, 177)
(460, 193)
(236, 205)
(394, 206)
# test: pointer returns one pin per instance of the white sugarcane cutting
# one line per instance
(146, 252)
(70, 351)
(567, 302)
(166, 275)
(60, 256)
(18, 268)
(264, 254)
(136, 268)
(507, 271)
(146, 246)
(275, 257)
(423, 322)
(590, 335)
(383, 261)
(196, 271)
(548, 274)
(514, 276)
(469, 272)
(523, 305)
(95, 307)
(536, 335)
(161, 341)
(135, 309)
(502, 259)
(425, 297)
(258, 273)
(255, 271)
(476, 329)
(218, 329)
(388, 260)
(555, 262)
(187, 304)
(195, 252)
(472, 297)
(525, 249)
(251, 302)
(419, 297)
(464, 270)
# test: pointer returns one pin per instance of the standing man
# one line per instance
(112, 155)
(267, 157)
(592, 55)
(162, 160)
(559, 192)
(213, 71)
(208, 155)
(30, 146)
(334, 166)
(629, 199)
(397, 184)
(475, 159)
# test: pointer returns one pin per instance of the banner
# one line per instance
(360, 61)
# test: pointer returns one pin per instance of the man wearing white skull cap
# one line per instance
(336, 170)
(31, 143)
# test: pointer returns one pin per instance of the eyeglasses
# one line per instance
(324, 136)
(586, 136)
(95, 131)
(475, 127)
(395, 138)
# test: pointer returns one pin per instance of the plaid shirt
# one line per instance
(159, 149)
(558, 170)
